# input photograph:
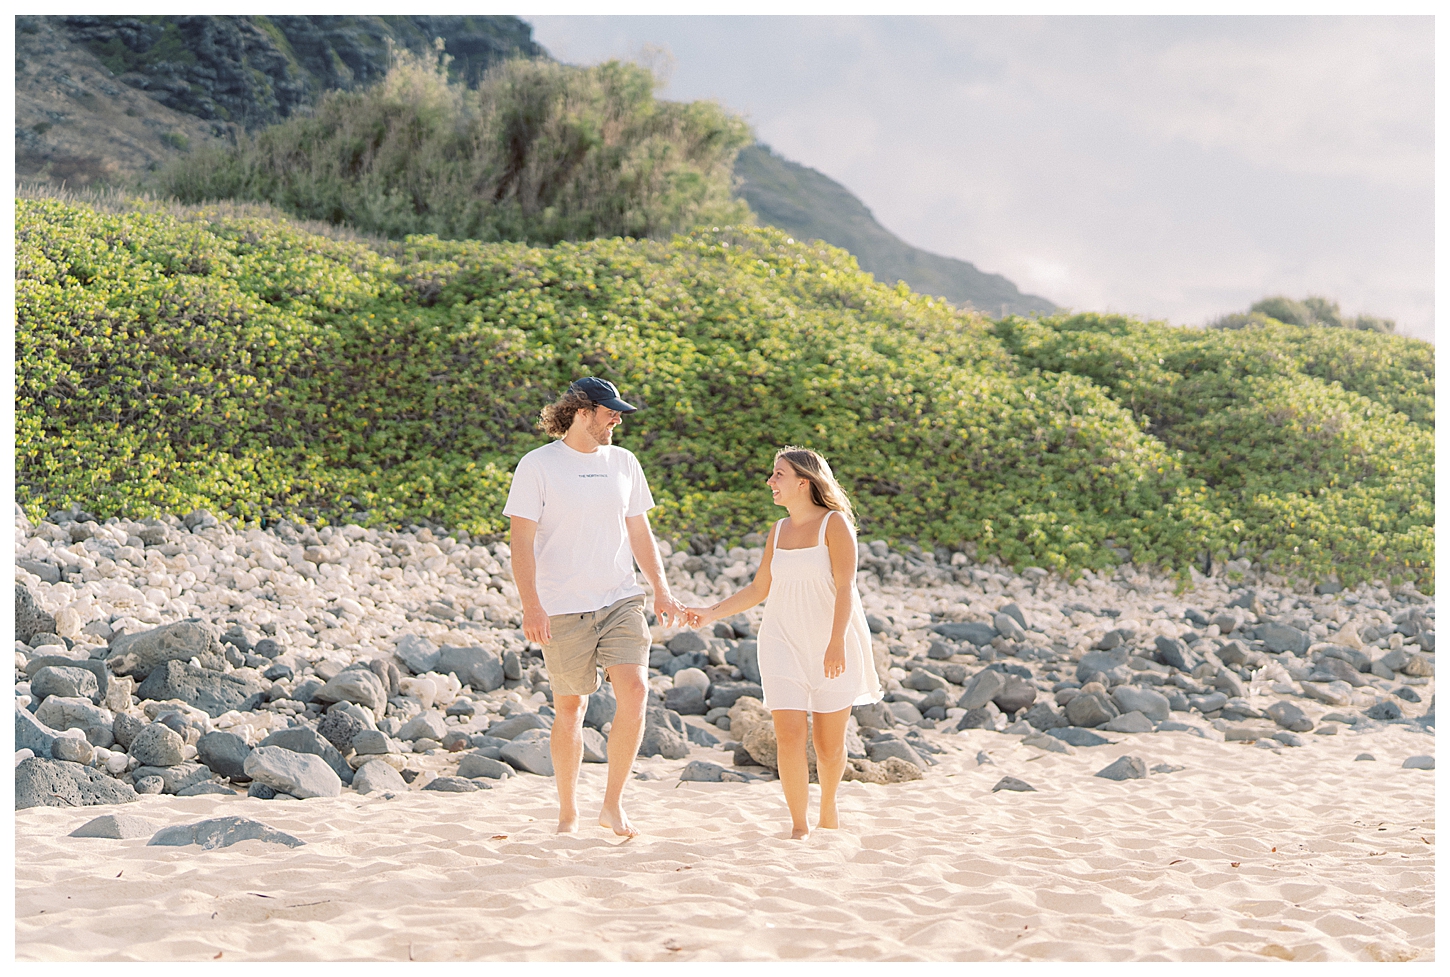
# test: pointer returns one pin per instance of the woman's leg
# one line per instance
(830, 737)
(790, 758)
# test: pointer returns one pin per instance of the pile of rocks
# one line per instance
(186, 656)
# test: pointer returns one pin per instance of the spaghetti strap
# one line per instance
(822, 540)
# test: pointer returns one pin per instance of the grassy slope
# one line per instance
(812, 206)
(240, 363)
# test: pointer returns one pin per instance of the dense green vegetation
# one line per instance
(538, 152)
(237, 363)
(812, 206)
(1312, 311)
(1320, 443)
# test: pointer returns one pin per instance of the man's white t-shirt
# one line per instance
(580, 501)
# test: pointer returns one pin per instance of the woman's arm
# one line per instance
(842, 547)
(746, 597)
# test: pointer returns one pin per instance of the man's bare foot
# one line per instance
(568, 826)
(616, 821)
(798, 834)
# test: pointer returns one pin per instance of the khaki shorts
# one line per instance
(581, 644)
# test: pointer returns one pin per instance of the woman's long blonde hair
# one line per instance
(825, 490)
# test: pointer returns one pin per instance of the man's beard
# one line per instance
(603, 434)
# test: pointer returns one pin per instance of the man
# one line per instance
(576, 514)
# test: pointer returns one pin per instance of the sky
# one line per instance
(1174, 168)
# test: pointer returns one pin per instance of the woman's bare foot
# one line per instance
(828, 819)
(616, 821)
(567, 826)
(800, 833)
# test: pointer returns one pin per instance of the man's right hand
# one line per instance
(536, 625)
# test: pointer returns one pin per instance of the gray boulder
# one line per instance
(150, 784)
(298, 774)
(1130, 722)
(1101, 661)
(687, 700)
(1124, 768)
(1044, 716)
(1008, 627)
(529, 753)
(704, 772)
(888, 746)
(596, 747)
(1284, 637)
(663, 736)
(479, 765)
(507, 729)
(66, 681)
(29, 618)
(72, 748)
(977, 634)
(355, 684)
(723, 695)
(124, 728)
(476, 667)
(139, 654)
(1090, 709)
(1078, 736)
(304, 739)
(31, 734)
(222, 832)
(1209, 702)
(41, 782)
(158, 746)
(115, 826)
(376, 775)
(702, 737)
(224, 754)
(1421, 762)
(1386, 710)
(1174, 653)
(600, 709)
(97, 669)
(875, 715)
(513, 666)
(1154, 705)
(1012, 783)
(425, 725)
(454, 785)
(371, 741)
(748, 660)
(1015, 613)
(61, 713)
(418, 653)
(924, 681)
(982, 689)
(338, 728)
(686, 642)
(1017, 693)
(1289, 716)
(174, 778)
(213, 692)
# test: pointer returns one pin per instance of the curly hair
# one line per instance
(556, 418)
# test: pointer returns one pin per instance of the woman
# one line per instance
(814, 646)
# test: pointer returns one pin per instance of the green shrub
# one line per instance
(539, 152)
(1295, 431)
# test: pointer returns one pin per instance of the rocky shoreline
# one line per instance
(188, 656)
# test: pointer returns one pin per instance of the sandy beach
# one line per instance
(1244, 854)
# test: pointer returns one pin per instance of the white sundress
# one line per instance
(799, 612)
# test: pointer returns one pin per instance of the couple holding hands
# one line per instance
(577, 513)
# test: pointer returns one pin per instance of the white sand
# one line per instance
(1245, 854)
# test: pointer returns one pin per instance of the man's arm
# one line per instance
(647, 555)
(521, 555)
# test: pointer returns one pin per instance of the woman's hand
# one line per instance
(698, 617)
(835, 663)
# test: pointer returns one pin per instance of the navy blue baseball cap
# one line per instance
(603, 393)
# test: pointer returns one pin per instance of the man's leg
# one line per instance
(791, 764)
(829, 730)
(566, 748)
(625, 733)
